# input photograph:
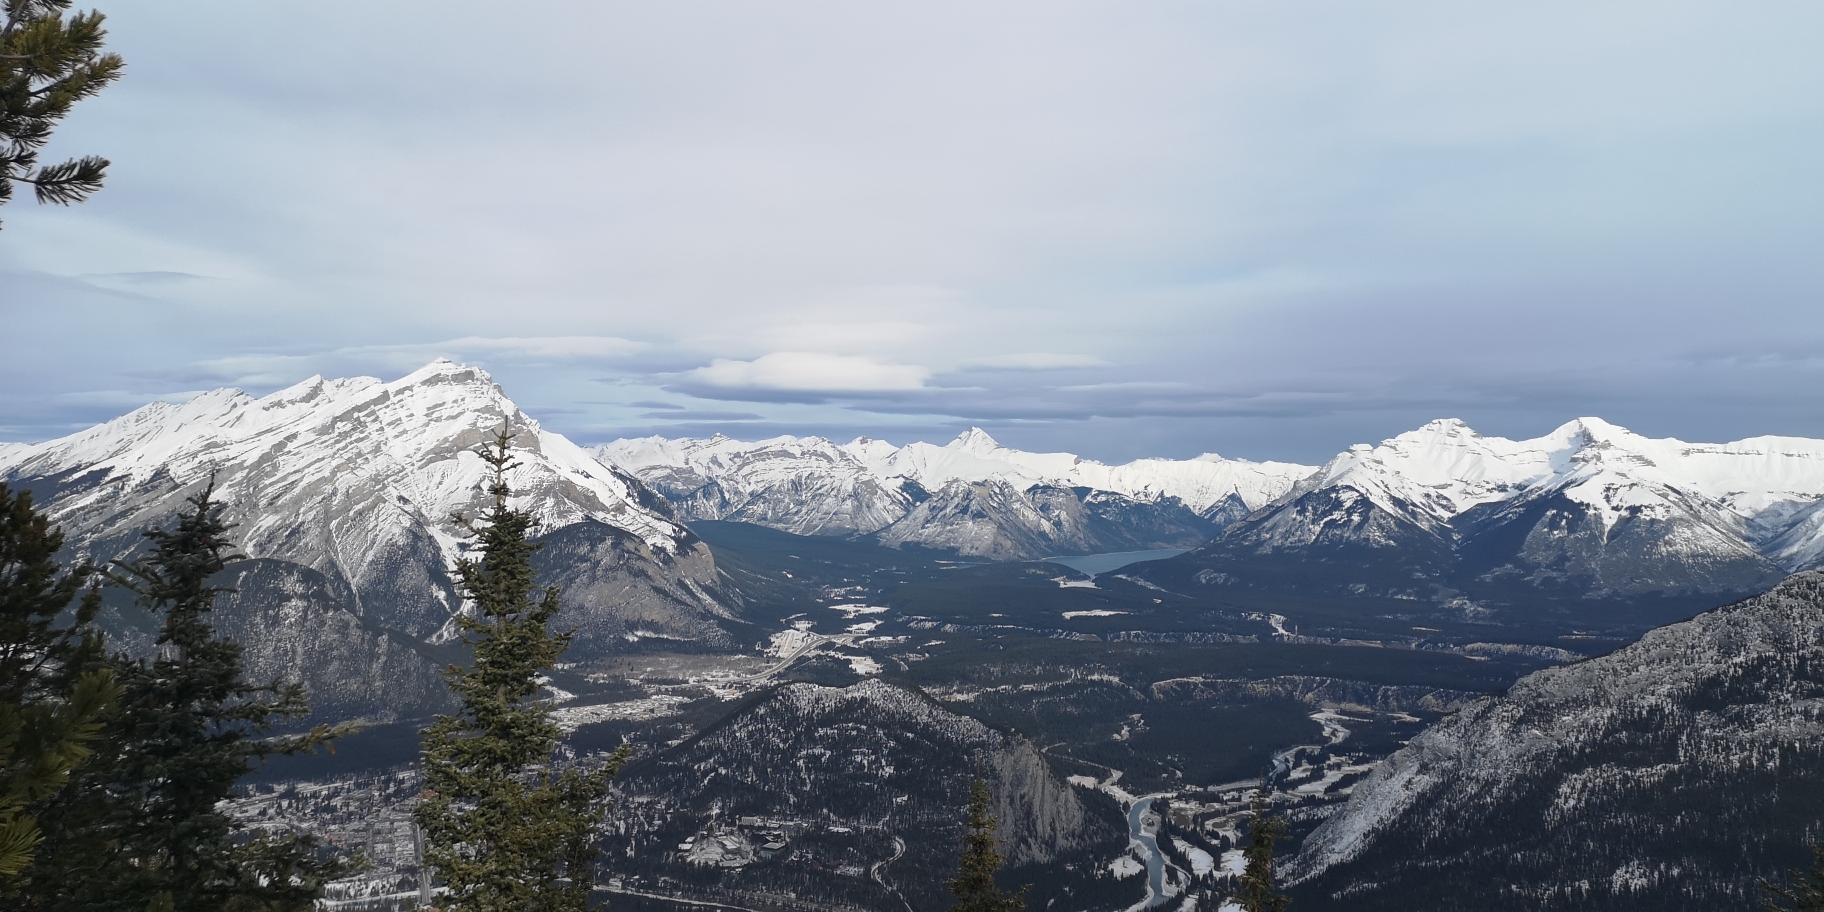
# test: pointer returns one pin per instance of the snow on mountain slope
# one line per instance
(1588, 509)
(357, 479)
(971, 496)
(1660, 776)
(1445, 469)
(807, 486)
(1200, 483)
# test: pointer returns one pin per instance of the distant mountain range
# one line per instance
(1445, 516)
(1441, 514)
(971, 497)
(1670, 774)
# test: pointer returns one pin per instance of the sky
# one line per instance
(1264, 229)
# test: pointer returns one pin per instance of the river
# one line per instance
(1149, 845)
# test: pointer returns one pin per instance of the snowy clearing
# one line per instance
(1201, 862)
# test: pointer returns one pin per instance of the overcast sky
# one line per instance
(1266, 229)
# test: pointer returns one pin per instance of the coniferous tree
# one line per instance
(47, 64)
(1805, 892)
(139, 827)
(974, 885)
(505, 829)
(52, 698)
(1259, 892)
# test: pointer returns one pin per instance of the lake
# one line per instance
(1095, 564)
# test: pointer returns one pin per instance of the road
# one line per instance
(816, 641)
(899, 848)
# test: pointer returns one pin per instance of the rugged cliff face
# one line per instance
(996, 520)
(868, 752)
(295, 625)
(1671, 773)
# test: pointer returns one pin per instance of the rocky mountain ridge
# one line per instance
(1444, 514)
(354, 482)
(1671, 773)
(972, 496)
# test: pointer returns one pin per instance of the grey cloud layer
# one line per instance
(1269, 230)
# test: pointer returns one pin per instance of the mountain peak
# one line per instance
(1448, 426)
(442, 370)
(975, 440)
(1591, 431)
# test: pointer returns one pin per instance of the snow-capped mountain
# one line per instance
(971, 496)
(356, 480)
(1589, 509)
(1667, 774)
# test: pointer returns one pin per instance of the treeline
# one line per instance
(115, 767)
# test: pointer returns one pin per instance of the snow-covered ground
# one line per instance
(1201, 861)
(850, 612)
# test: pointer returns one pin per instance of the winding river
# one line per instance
(1149, 847)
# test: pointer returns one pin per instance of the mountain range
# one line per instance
(1440, 514)
(1445, 516)
(1669, 773)
(971, 497)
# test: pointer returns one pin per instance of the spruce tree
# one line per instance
(52, 699)
(47, 64)
(1259, 892)
(974, 885)
(506, 829)
(1804, 892)
(140, 827)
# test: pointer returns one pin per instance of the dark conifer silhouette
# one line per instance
(139, 828)
(974, 885)
(1259, 891)
(52, 697)
(1805, 890)
(47, 64)
(505, 829)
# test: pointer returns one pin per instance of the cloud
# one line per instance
(808, 372)
(704, 415)
(157, 277)
(261, 370)
(544, 346)
(1301, 230)
(1034, 361)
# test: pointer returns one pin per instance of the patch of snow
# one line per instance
(1234, 863)
(1093, 613)
(1126, 866)
(850, 612)
(1201, 861)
